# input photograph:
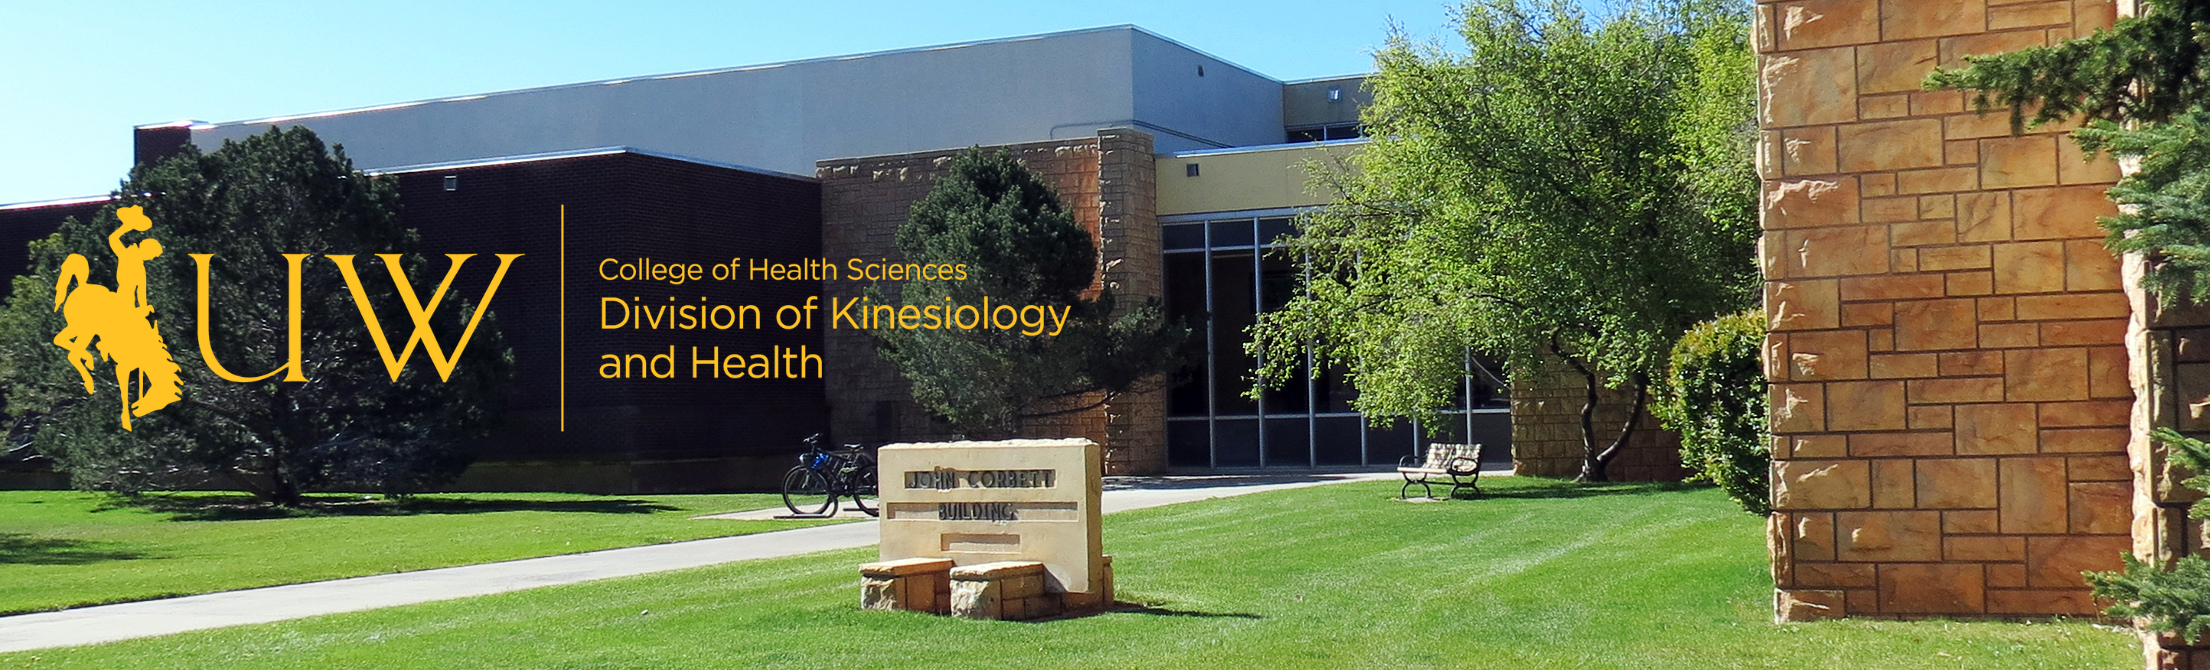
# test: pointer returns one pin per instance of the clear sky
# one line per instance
(76, 76)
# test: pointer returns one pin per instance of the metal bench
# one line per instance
(1460, 462)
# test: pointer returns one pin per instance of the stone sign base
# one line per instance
(1004, 590)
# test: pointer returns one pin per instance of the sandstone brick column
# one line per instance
(2170, 351)
(1949, 395)
(1128, 225)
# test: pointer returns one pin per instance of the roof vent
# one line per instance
(1189, 170)
(452, 183)
(1335, 94)
(1200, 70)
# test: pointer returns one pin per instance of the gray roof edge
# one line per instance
(1315, 80)
(708, 71)
(469, 163)
(57, 202)
(1195, 153)
(1195, 50)
(578, 153)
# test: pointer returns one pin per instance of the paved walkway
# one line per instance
(109, 623)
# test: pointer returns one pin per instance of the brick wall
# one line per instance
(1546, 433)
(1949, 391)
(1107, 183)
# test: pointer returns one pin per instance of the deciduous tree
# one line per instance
(1563, 189)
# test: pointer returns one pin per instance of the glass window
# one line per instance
(1188, 443)
(1490, 390)
(1184, 236)
(1337, 442)
(1494, 433)
(1235, 442)
(1386, 444)
(1451, 428)
(1288, 442)
(1334, 390)
(1185, 302)
(1232, 233)
(1271, 229)
(1277, 286)
(1234, 310)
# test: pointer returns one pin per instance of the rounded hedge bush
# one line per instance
(1714, 396)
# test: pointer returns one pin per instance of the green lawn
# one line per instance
(1539, 576)
(64, 548)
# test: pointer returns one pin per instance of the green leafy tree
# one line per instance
(1020, 246)
(1563, 190)
(349, 426)
(2138, 88)
(1714, 396)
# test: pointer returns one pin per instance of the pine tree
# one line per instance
(1020, 246)
(2138, 89)
(349, 426)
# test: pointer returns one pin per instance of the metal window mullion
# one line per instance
(1258, 358)
(1312, 381)
(1212, 368)
(1467, 404)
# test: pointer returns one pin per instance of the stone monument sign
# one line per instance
(988, 502)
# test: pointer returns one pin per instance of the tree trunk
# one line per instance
(284, 493)
(1592, 469)
(1596, 467)
(1595, 463)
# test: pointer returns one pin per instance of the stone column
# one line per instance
(1128, 231)
(1949, 390)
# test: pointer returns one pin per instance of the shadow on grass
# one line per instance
(238, 507)
(1154, 610)
(1565, 489)
(19, 548)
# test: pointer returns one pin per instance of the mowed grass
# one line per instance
(1538, 575)
(62, 549)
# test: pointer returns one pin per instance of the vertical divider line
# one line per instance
(563, 318)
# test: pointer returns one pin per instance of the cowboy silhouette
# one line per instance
(119, 321)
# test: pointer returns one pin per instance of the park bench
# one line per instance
(1460, 462)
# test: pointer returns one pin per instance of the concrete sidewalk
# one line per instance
(109, 623)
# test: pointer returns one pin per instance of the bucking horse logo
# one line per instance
(120, 321)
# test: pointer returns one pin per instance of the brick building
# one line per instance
(1186, 169)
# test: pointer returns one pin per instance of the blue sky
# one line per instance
(76, 76)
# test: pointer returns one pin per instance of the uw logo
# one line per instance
(120, 320)
(127, 334)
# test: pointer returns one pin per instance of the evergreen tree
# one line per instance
(349, 425)
(1020, 246)
(2138, 89)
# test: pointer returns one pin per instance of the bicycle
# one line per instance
(822, 476)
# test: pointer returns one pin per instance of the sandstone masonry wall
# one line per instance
(1949, 382)
(1106, 181)
(1546, 433)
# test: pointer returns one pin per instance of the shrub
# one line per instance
(1714, 396)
